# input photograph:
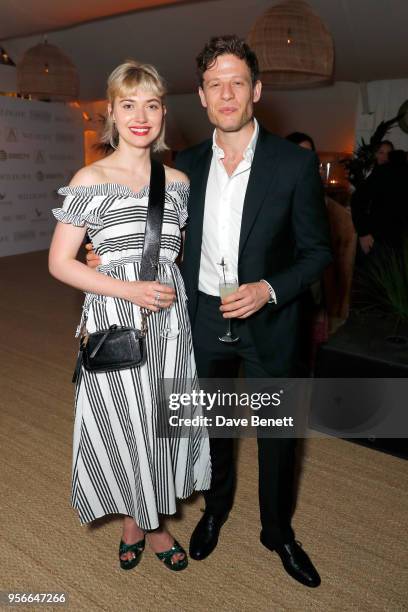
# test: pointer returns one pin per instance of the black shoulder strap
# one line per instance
(151, 246)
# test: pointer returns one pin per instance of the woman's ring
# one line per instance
(157, 298)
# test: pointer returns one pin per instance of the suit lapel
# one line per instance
(198, 187)
(261, 175)
(197, 195)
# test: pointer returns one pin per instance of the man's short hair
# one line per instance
(226, 45)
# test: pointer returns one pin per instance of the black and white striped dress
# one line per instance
(120, 463)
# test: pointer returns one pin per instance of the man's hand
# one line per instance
(92, 259)
(366, 243)
(249, 298)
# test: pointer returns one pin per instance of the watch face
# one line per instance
(403, 121)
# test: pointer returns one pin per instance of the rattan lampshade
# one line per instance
(46, 73)
(293, 45)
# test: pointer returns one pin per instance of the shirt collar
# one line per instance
(249, 152)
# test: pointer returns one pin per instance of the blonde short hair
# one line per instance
(122, 82)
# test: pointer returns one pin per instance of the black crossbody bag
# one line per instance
(118, 347)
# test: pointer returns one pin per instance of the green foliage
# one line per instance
(364, 157)
(383, 283)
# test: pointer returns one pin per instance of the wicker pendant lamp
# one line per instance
(293, 45)
(45, 73)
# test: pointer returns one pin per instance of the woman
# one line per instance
(120, 464)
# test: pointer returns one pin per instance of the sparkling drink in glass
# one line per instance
(228, 285)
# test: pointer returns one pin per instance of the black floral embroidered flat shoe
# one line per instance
(137, 551)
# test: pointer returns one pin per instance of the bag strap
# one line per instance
(155, 210)
(151, 245)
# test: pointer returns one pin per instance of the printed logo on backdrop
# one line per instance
(41, 176)
(3, 201)
(4, 238)
(38, 216)
(49, 145)
(24, 235)
(17, 217)
(61, 156)
(39, 157)
(37, 136)
(8, 112)
(25, 176)
(4, 156)
(45, 233)
(11, 135)
(40, 115)
(32, 196)
(63, 119)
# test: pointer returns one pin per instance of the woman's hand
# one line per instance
(366, 243)
(150, 294)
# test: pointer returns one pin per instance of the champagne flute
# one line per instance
(167, 332)
(228, 285)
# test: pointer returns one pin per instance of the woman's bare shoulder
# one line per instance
(89, 175)
(173, 175)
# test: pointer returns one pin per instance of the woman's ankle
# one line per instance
(131, 532)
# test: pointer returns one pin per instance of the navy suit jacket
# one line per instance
(284, 239)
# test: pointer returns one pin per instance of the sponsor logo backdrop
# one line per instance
(41, 147)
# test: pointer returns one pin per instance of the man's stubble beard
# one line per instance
(232, 128)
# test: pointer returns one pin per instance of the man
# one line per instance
(379, 204)
(366, 217)
(256, 203)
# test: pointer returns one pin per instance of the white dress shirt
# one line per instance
(224, 201)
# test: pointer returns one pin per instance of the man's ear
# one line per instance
(164, 110)
(202, 97)
(257, 91)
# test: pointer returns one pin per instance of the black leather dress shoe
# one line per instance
(205, 536)
(297, 563)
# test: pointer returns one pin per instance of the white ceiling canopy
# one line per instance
(24, 17)
(370, 36)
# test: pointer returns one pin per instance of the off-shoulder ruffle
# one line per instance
(180, 203)
(122, 190)
(93, 221)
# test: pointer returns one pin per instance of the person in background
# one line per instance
(121, 463)
(382, 153)
(301, 139)
(327, 305)
(365, 203)
(314, 325)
